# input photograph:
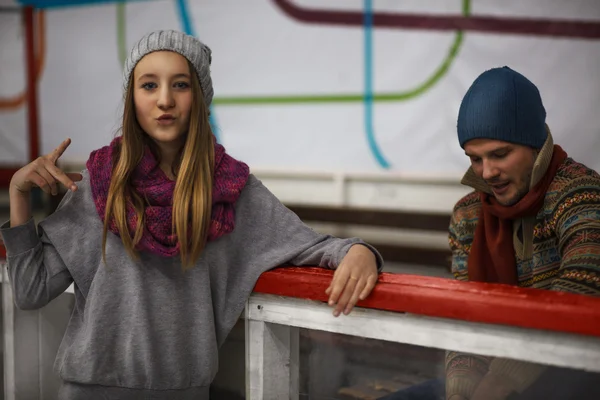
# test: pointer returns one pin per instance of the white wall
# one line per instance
(260, 50)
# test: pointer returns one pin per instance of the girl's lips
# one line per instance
(166, 121)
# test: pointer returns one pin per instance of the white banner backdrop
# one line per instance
(317, 84)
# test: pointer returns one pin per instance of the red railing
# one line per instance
(447, 298)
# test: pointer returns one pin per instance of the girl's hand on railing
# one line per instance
(353, 279)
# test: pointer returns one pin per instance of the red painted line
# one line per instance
(2, 252)
(32, 97)
(488, 24)
(447, 298)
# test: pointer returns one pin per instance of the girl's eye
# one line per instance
(182, 85)
(149, 85)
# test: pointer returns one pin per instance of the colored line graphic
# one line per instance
(63, 3)
(354, 97)
(365, 19)
(17, 101)
(368, 97)
(121, 35)
(368, 83)
(440, 71)
(368, 80)
(501, 25)
(466, 22)
(184, 15)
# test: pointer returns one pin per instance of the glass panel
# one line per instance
(334, 366)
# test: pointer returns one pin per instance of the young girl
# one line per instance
(164, 237)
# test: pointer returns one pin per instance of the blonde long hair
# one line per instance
(194, 169)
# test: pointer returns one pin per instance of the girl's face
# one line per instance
(162, 96)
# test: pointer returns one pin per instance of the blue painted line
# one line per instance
(186, 23)
(188, 28)
(368, 95)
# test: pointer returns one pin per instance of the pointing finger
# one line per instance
(58, 152)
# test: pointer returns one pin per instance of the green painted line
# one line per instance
(315, 98)
(121, 33)
(358, 97)
(352, 98)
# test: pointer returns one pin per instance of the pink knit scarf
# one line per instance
(151, 183)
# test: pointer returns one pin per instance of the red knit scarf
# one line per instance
(151, 183)
(492, 256)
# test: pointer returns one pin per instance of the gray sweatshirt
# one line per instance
(147, 329)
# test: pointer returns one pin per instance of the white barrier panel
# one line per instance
(272, 324)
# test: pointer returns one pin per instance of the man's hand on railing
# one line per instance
(353, 280)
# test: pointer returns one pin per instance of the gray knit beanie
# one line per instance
(188, 46)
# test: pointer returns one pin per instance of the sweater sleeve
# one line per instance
(459, 245)
(577, 218)
(37, 272)
(577, 228)
(463, 371)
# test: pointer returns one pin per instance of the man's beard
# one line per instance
(521, 192)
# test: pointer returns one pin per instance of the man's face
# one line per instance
(505, 167)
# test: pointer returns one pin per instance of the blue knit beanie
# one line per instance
(502, 105)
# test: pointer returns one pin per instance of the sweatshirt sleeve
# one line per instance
(37, 272)
(273, 235)
(266, 235)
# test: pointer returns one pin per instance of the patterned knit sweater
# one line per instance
(559, 249)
